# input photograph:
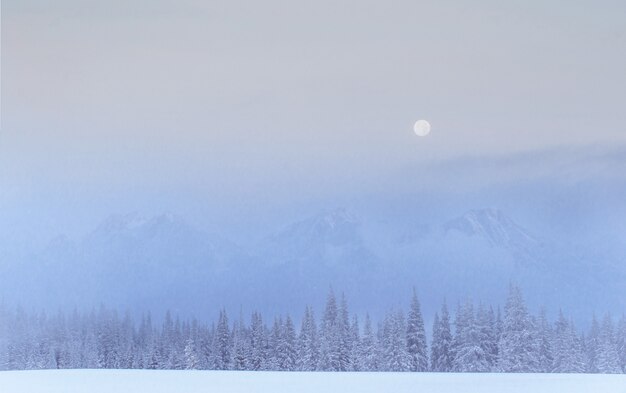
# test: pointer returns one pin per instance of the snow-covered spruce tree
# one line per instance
(434, 348)
(441, 350)
(545, 338)
(176, 359)
(240, 351)
(620, 342)
(287, 346)
(469, 355)
(355, 345)
(205, 347)
(608, 356)
(127, 342)
(343, 336)
(191, 355)
(108, 341)
(518, 344)
(145, 335)
(4, 335)
(307, 343)
(568, 356)
(369, 359)
(591, 346)
(416, 337)
(222, 343)
(394, 348)
(486, 325)
(258, 341)
(191, 351)
(44, 341)
(274, 343)
(330, 353)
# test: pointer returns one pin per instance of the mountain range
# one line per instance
(163, 262)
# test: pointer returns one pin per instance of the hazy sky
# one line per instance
(219, 108)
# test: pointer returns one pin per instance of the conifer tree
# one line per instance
(545, 338)
(330, 352)
(369, 351)
(307, 343)
(257, 343)
(518, 345)
(416, 337)
(395, 356)
(222, 343)
(469, 356)
(608, 356)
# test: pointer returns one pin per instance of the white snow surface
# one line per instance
(133, 381)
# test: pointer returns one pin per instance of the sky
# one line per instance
(232, 112)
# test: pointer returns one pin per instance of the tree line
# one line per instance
(479, 339)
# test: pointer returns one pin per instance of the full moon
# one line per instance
(421, 128)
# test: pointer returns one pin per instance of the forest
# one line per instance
(476, 339)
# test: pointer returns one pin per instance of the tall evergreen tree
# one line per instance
(608, 356)
(486, 326)
(241, 346)
(568, 356)
(394, 348)
(545, 337)
(344, 337)
(330, 348)
(258, 342)
(442, 357)
(592, 346)
(307, 343)
(222, 343)
(416, 337)
(287, 346)
(355, 345)
(469, 356)
(620, 342)
(517, 347)
(369, 351)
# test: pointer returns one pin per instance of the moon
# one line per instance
(421, 128)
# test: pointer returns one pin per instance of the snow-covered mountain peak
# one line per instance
(493, 225)
(339, 225)
(122, 223)
(337, 219)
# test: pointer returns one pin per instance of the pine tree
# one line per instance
(222, 343)
(620, 342)
(416, 338)
(274, 358)
(287, 346)
(469, 355)
(191, 355)
(441, 350)
(545, 337)
(486, 326)
(608, 356)
(330, 352)
(240, 346)
(257, 343)
(369, 351)
(355, 342)
(517, 348)
(568, 356)
(395, 356)
(344, 336)
(592, 347)
(307, 343)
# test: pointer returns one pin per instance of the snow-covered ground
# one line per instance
(122, 381)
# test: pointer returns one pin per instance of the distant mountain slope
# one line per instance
(328, 239)
(163, 262)
(499, 231)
